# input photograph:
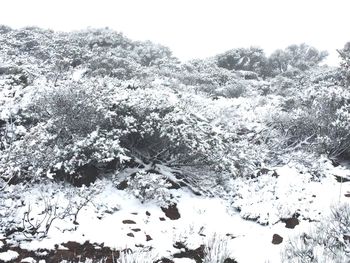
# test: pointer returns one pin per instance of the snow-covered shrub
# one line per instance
(205, 75)
(71, 129)
(232, 90)
(137, 256)
(329, 242)
(148, 187)
(345, 64)
(247, 59)
(216, 249)
(116, 67)
(317, 118)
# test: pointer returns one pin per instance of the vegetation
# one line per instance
(82, 105)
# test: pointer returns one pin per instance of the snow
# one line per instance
(201, 217)
(28, 260)
(8, 256)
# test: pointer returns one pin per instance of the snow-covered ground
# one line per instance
(119, 220)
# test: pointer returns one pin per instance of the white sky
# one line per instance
(196, 28)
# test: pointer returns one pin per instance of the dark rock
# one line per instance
(290, 222)
(128, 222)
(134, 213)
(161, 218)
(171, 212)
(122, 185)
(347, 195)
(277, 239)
(148, 238)
(136, 229)
(130, 235)
(148, 213)
(230, 260)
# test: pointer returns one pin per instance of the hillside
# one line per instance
(113, 150)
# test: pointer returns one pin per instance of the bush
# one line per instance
(216, 250)
(317, 118)
(148, 186)
(329, 242)
(70, 129)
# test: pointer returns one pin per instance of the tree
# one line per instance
(301, 57)
(345, 63)
(247, 59)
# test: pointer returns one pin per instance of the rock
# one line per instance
(290, 222)
(277, 239)
(122, 185)
(148, 238)
(171, 212)
(161, 218)
(127, 221)
(130, 235)
(230, 260)
(136, 229)
(148, 213)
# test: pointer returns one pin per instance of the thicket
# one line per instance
(82, 103)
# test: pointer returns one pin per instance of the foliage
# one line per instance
(314, 114)
(329, 242)
(134, 100)
(302, 57)
(344, 54)
(148, 186)
(247, 59)
(216, 250)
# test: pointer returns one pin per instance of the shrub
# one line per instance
(216, 250)
(317, 118)
(148, 186)
(329, 242)
(71, 129)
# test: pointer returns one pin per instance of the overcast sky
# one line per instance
(196, 28)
